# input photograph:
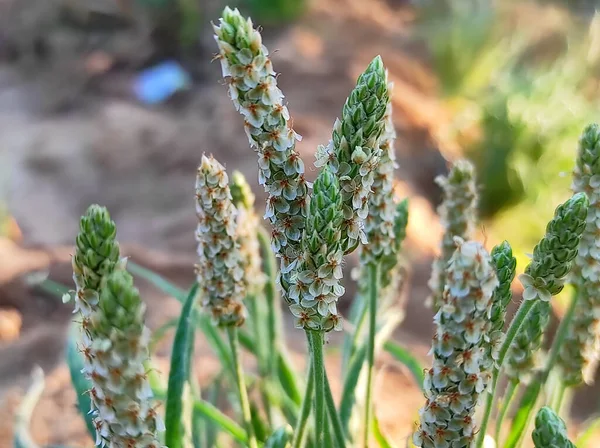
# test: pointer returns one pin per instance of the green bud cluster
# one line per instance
(220, 267)
(459, 374)
(580, 350)
(544, 277)
(316, 285)
(253, 89)
(458, 216)
(247, 237)
(550, 430)
(379, 223)
(354, 151)
(114, 337)
(505, 264)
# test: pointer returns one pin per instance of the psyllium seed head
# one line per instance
(354, 151)
(248, 70)
(317, 287)
(379, 223)
(247, 233)
(458, 216)
(550, 430)
(459, 374)
(579, 353)
(116, 344)
(544, 277)
(220, 265)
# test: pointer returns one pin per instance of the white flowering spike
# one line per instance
(544, 277)
(458, 376)
(247, 233)
(253, 89)
(581, 349)
(220, 266)
(458, 216)
(379, 223)
(354, 150)
(316, 286)
(116, 348)
(114, 337)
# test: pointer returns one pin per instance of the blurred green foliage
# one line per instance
(274, 12)
(521, 95)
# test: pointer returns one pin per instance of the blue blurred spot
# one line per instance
(156, 84)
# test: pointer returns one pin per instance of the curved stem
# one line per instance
(318, 365)
(305, 411)
(559, 395)
(373, 292)
(515, 325)
(232, 332)
(507, 400)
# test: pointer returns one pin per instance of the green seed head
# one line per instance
(354, 152)
(550, 430)
(241, 192)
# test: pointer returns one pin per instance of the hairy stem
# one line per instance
(336, 424)
(318, 366)
(373, 292)
(305, 411)
(232, 332)
(507, 400)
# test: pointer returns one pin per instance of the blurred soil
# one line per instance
(71, 134)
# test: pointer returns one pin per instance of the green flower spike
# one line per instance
(253, 89)
(544, 277)
(505, 264)
(247, 228)
(458, 216)
(354, 151)
(550, 430)
(458, 376)
(317, 287)
(220, 266)
(581, 348)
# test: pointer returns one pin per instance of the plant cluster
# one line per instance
(350, 206)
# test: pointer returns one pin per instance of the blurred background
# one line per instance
(114, 102)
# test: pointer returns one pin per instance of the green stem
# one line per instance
(318, 365)
(507, 400)
(224, 422)
(336, 424)
(305, 410)
(515, 325)
(241, 385)
(559, 395)
(373, 292)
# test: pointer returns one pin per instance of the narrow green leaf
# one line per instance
(281, 438)
(348, 391)
(221, 420)
(261, 428)
(22, 437)
(523, 416)
(215, 340)
(157, 280)
(288, 378)
(80, 383)
(211, 428)
(379, 436)
(179, 372)
(403, 356)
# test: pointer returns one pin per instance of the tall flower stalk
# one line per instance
(458, 216)
(248, 70)
(580, 351)
(220, 267)
(115, 339)
(458, 376)
(544, 277)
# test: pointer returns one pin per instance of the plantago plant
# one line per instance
(235, 303)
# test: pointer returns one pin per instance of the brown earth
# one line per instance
(69, 139)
